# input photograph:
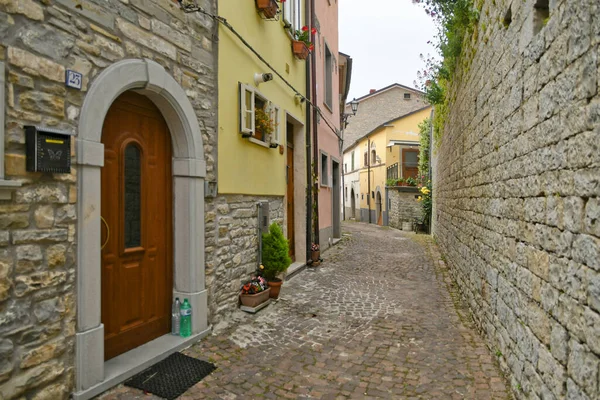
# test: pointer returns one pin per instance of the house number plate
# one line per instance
(73, 79)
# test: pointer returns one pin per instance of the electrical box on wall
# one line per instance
(48, 150)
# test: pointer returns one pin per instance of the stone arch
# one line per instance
(189, 169)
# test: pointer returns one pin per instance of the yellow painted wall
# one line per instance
(405, 128)
(245, 167)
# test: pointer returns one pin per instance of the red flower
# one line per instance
(313, 30)
(311, 47)
(304, 28)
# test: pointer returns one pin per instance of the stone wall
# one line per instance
(378, 109)
(517, 192)
(402, 205)
(232, 248)
(37, 227)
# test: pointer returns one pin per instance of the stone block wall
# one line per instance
(517, 192)
(38, 271)
(232, 248)
(402, 205)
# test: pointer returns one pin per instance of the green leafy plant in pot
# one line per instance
(275, 257)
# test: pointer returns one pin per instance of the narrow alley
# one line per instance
(378, 319)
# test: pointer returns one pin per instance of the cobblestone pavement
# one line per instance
(378, 319)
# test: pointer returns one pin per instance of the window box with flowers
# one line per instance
(269, 8)
(301, 45)
(315, 254)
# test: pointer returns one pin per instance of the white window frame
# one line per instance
(328, 86)
(248, 111)
(292, 14)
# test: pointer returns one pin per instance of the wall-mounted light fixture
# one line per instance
(354, 106)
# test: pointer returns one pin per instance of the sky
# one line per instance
(384, 39)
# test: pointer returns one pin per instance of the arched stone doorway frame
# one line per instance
(146, 77)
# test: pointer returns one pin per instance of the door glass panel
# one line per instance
(411, 159)
(133, 198)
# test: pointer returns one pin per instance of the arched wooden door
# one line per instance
(137, 272)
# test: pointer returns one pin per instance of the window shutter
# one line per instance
(288, 17)
(246, 110)
(276, 116)
(298, 14)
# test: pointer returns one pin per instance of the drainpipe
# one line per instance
(309, 187)
(343, 169)
(314, 110)
(369, 176)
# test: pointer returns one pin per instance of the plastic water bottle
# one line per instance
(186, 319)
(175, 317)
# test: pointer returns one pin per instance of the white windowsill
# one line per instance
(258, 142)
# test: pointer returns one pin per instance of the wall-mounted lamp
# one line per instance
(354, 106)
(261, 78)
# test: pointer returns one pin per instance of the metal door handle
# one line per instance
(107, 233)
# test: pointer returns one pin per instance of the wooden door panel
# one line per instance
(137, 272)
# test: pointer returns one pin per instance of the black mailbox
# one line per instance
(48, 150)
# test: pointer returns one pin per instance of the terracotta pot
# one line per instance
(315, 255)
(269, 8)
(252, 300)
(275, 287)
(300, 49)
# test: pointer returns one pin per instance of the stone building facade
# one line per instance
(52, 335)
(517, 192)
(402, 206)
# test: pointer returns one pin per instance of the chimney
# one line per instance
(372, 91)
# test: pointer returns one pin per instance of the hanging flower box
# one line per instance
(300, 49)
(269, 8)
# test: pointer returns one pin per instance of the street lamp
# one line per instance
(354, 105)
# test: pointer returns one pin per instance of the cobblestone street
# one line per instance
(378, 319)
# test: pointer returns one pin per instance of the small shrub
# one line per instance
(275, 252)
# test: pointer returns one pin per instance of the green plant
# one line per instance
(411, 181)
(275, 252)
(263, 122)
(390, 182)
(426, 203)
(457, 25)
(424, 149)
(399, 181)
(303, 35)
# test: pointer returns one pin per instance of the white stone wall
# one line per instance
(517, 193)
(38, 271)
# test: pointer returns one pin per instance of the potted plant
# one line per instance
(411, 181)
(400, 182)
(315, 252)
(302, 45)
(269, 8)
(254, 292)
(275, 257)
(264, 126)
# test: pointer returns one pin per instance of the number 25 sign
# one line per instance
(73, 79)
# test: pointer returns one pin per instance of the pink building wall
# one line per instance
(326, 12)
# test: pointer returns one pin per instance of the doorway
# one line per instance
(336, 207)
(379, 207)
(290, 190)
(136, 230)
(352, 204)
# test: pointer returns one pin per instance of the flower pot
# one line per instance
(300, 49)
(269, 8)
(315, 255)
(253, 300)
(275, 287)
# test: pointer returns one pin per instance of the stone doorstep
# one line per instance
(123, 367)
(295, 269)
